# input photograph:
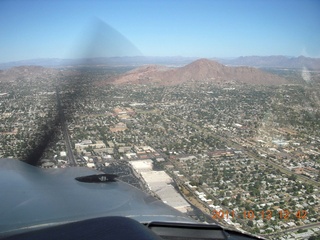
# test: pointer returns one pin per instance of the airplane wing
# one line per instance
(33, 197)
(71, 203)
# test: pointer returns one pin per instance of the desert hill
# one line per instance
(202, 70)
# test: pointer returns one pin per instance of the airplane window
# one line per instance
(185, 112)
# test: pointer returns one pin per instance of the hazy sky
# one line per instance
(58, 29)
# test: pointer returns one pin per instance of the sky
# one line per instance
(32, 29)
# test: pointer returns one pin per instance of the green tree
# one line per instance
(250, 223)
(293, 177)
(317, 237)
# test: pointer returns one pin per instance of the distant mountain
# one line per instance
(110, 61)
(50, 62)
(275, 62)
(202, 70)
(253, 61)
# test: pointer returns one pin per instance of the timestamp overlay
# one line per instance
(263, 214)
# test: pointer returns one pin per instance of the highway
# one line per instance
(64, 128)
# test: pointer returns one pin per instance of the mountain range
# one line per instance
(202, 70)
(251, 61)
(275, 62)
(177, 70)
(109, 61)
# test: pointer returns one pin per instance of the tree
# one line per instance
(225, 202)
(293, 177)
(309, 189)
(314, 237)
(250, 223)
(238, 199)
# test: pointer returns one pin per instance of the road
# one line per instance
(64, 128)
(312, 225)
(231, 143)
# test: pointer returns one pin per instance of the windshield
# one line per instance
(211, 106)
